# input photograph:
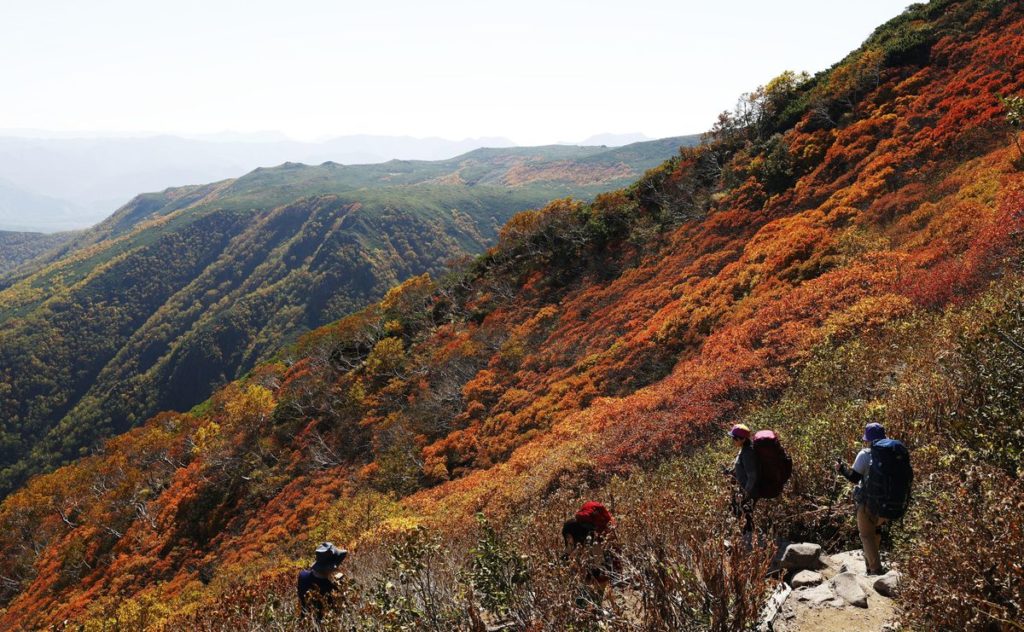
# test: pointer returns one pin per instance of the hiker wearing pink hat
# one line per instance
(744, 470)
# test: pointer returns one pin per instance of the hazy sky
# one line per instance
(533, 71)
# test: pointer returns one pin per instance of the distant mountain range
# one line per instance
(22, 210)
(182, 290)
(50, 182)
(615, 140)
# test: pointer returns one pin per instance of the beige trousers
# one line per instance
(870, 527)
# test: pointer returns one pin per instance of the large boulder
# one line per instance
(847, 587)
(805, 555)
(887, 584)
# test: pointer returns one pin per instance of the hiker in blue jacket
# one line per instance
(869, 525)
(317, 583)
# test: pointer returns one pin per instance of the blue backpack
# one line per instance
(886, 487)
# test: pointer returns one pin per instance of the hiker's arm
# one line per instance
(750, 467)
(848, 474)
(730, 468)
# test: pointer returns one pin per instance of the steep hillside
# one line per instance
(844, 248)
(180, 291)
(19, 248)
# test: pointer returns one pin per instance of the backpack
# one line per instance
(774, 467)
(595, 515)
(886, 487)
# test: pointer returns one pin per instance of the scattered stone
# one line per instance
(891, 626)
(806, 578)
(802, 556)
(820, 595)
(887, 584)
(847, 587)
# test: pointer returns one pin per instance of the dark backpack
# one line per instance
(886, 487)
(774, 467)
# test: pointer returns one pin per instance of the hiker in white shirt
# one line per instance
(868, 524)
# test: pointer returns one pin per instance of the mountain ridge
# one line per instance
(103, 173)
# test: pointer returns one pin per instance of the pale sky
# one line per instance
(535, 71)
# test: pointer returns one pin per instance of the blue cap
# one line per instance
(328, 557)
(873, 432)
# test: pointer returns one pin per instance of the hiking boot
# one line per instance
(881, 570)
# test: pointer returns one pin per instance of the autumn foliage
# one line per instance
(843, 247)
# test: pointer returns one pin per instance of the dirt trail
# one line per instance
(822, 601)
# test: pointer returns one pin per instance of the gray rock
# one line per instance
(848, 562)
(865, 584)
(820, 595)
(887, 584)
(802, 556)
(847, 587)
(806, 578)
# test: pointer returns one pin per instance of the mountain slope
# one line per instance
(847, 248)
(19, 248)
(180, 291)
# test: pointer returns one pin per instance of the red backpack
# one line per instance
(774, 466)
(596, 515)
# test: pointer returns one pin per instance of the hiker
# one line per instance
(317, 583)
(745, 472)
(590, 535)
(761, 470)
(882, 475)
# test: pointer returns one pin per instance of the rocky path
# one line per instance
(831, 593)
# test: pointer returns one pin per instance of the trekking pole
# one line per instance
(733, 503)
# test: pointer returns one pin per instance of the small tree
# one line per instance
(497, 573)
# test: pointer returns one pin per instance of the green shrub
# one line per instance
(497, 573)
